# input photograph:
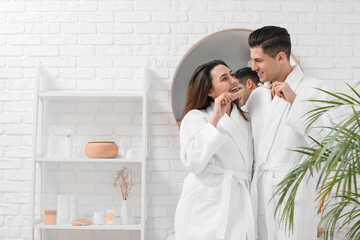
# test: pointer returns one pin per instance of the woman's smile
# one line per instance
(234, 89)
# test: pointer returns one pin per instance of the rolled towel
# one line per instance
(63, 216)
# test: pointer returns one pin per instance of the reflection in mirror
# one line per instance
(229, 45)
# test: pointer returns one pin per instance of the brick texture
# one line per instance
(92, 45)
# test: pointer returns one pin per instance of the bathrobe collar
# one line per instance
(276, 112)
(235, 127)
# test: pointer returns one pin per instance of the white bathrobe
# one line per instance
(257, 105)
(215, 201)
(284, 129)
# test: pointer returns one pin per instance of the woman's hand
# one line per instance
(221, 105)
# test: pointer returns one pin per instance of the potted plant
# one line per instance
(336, 163)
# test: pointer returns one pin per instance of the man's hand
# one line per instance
(282, 90)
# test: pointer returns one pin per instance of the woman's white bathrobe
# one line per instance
(215, 201)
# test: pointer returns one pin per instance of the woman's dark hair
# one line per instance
(246, 73)
(272, 40)
(199, 87)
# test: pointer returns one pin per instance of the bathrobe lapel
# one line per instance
(278, 108)
(235, 127)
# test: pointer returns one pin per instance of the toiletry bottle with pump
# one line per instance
(68, 144)
(122, 149)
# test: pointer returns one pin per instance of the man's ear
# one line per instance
(281, 57)
(250, 84)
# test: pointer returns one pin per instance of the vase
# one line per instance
(124, 213)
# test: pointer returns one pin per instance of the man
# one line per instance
(283, 130)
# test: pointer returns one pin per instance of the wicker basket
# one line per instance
(101, 149)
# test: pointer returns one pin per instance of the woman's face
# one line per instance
(222, 81)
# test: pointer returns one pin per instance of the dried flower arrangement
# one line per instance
(124, 181)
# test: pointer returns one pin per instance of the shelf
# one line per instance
(89, 160)
(130, 95)
(135, 101)
(90, 227)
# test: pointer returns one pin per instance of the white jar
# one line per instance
(122, 149)
(99, 218)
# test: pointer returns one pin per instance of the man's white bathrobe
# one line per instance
(215, 201)
(283, 130)
(257, 105)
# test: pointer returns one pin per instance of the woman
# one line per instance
(216, 147)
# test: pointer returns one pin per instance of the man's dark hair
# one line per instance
(246, 73)
(272, 40)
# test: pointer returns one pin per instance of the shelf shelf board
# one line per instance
(89, 95)
(89, 160)
(89, 227)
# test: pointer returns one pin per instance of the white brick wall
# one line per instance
(105, 45)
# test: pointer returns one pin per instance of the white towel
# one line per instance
(63, 216)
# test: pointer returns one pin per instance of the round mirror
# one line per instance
(231, 46)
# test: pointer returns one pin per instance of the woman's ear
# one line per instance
(210, 94)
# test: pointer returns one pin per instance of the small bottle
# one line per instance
(122, 150)
(68, 144)
(110, 217)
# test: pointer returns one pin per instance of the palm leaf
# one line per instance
(337, 160)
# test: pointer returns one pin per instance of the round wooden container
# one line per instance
(101, 149)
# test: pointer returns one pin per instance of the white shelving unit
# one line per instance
(39, 159)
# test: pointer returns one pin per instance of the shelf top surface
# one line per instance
(90, 227)
(91, 160)
(67, 95)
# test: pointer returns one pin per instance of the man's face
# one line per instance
(267, 68)
(244, 93)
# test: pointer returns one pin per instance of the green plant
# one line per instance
(336, 163)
